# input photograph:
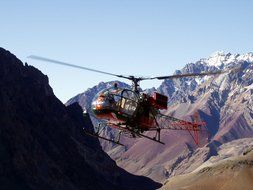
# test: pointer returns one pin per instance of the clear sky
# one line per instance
(140, 37)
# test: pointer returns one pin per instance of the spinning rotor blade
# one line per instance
(189, 75)
(132, 78)
(71, 65)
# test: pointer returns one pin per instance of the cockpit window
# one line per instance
(108, 99)
(116, 99)
(129, 102)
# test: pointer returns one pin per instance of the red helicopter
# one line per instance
(133, 112)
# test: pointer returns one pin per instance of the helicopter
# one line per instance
(133, 112)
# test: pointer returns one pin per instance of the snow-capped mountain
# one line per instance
(219, 59)
(219, 97)
(181, 89)
(224, 102)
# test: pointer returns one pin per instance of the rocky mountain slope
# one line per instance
(230, 169)
(224, 102)
(42, 145)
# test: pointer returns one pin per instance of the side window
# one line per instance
(129, 102)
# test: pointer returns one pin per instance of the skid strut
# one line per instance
(99, 130)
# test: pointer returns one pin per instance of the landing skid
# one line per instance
(133, 133)
(153, 139)
(100, 127)
(96, 135)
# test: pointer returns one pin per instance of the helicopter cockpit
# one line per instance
(114, 100)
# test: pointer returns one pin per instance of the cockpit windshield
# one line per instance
(107, 98)
(116, 100)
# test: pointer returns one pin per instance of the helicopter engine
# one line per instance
(159, 101)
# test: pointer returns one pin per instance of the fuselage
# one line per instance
(119, 105)
(115, 104)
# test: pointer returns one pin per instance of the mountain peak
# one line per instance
(220, 58)
(218, 53)
(246, 57)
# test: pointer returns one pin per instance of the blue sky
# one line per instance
(140, 37)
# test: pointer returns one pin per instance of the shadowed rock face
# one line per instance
(41, 141)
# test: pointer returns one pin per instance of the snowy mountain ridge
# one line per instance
(220, 58)
(177, 89)
(224, 102)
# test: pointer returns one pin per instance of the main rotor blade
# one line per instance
(133, 78)
(72, 65)
(189, 75)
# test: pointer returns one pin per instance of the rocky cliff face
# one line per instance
(225, 101)
(42, 145)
